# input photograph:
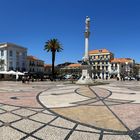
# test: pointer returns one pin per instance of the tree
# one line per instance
(53, 46)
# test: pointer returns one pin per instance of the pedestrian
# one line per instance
(28, 79)
(23, 79)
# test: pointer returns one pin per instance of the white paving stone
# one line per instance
(2, 111)
(85, 128)
(24, 112)
(84, 136)
(8, 107)
(52, 101)
(31, 138)
(8, 117)
(7, 133)
(63, 123)
(45, 118)
(1, 123)
(52, 133)
(36, 109)
(27, 125)
(116, 137)
(48, 112)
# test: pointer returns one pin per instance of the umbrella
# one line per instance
(19, 73)
(3, 72)
(11, 72)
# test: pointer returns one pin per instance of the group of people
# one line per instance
(25, 79)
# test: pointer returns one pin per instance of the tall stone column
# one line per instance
(86, 69)
(87, 33)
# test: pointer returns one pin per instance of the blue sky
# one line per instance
(115, 25)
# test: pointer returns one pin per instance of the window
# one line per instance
(2, 53)
(23, 64)
(23, 55)
(101, 57)
(11, 53)
(17, 63)
(17, 54)
(98, 67)
(11, 64)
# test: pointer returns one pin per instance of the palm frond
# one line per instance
(53, 45)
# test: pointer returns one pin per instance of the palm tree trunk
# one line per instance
(53, 61)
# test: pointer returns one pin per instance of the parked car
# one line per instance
(126, 78)
(132, 78)
(68, 76)
(129, 78)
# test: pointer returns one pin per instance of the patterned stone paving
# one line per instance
(78, 112)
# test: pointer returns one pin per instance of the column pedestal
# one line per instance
(85, 78)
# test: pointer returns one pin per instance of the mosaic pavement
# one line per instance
(58, 111)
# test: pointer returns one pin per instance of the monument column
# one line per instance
(86, 68)
(87, 33)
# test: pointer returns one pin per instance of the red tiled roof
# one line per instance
(99, 51)
(74, 65)
(121, 60)
(47, 65)
(31, 57)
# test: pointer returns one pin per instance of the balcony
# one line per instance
(99, 59)
(100, 65)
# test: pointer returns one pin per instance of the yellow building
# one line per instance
(100, 63)
(34, 64)
(47, 69)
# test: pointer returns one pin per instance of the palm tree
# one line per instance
(54, 46)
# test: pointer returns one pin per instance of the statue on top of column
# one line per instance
(87, 24)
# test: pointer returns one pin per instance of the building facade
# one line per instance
(137, 70)
(73, 69)
(12, 57)
(47, 69)
(35, 65)
(122, 67)
(104, 65)
(100, 63)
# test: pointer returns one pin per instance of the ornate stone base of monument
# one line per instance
(85, 78)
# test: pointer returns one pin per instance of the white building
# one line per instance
(12, 57)
(121, 67)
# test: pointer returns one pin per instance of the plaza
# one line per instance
(62, 110)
